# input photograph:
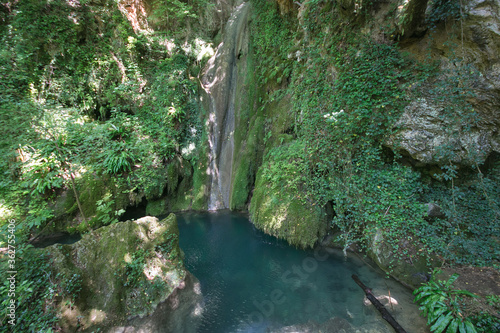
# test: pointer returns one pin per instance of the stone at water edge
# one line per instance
(107, 297)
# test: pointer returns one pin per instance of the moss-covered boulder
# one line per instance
(102, 199)
(404, 260)
(283, 212)
(118, 272)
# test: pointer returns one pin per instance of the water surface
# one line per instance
(253, 282)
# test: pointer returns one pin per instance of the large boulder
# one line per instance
(430, 136)
(404, 260)
(283, 214)
(118, 273)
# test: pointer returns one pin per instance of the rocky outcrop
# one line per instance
(433, 128)
(121, 272)
(282, 213)
(181, 312)
(137, 12)
(403, 260)
(428, 135)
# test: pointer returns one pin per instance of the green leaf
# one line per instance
(453, 327)
(441, 323)
(469, 327)
(452, 279)
(437, 312)
(461, 327)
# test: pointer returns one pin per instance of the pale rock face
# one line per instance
(425, 133)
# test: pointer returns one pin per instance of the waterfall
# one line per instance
(219, 83)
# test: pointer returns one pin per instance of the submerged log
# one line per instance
(379, 306)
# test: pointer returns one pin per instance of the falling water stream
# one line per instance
(219, 83)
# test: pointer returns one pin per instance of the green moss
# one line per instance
(246, 164)
(156, 207)
(172, 177)
(284, 215)
(241, 185)
(91, 189)
(156, 180)
(110, 191)
(103, 259)
(200, 180)
(119, 190)
(182, 199)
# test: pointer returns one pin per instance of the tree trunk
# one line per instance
(379, 306)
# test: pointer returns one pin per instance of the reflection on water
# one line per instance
(252, 282)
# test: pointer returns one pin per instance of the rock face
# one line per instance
(120, 272)
(404, 264)
(429, 136)
(471, 48)
(181, 312)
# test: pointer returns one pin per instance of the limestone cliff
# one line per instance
(426, 125)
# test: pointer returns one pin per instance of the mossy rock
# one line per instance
(172, 176)
(408, 265)
(91, 189)
(199, 191)
(155, 188)
(156, 207)
(126, 270)
(245, 165)
(182, 199)
(281, 213)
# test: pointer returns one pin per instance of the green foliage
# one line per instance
(82, 96)
(176, 16)
(442, 10)
(70, 285)
(117, 159)
(36, 293)
(105, 214)
(167, 249)
(134, 270)
(348, 93)
(486, 322)
(272, 38)
(370, 197)
(467, 235)
(441, 304)
(284, 167)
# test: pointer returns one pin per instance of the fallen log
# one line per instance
(379, 306)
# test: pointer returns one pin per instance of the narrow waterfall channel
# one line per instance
(219, 83)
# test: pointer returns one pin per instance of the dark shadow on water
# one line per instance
(59, 238)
